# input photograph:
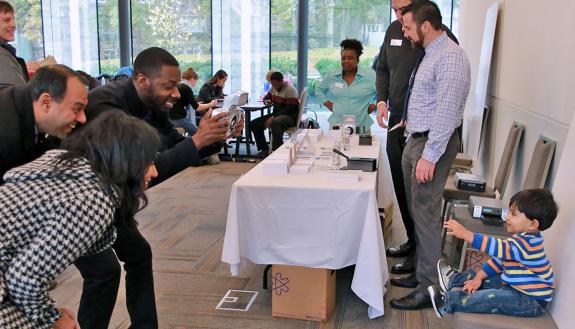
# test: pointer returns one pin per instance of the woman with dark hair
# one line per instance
(183, 113)
(213, 88)
(62, 205)
(350, 91)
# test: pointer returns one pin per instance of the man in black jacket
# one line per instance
(148, 95)
(51, 105)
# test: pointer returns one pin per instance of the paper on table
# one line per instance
(398, 125)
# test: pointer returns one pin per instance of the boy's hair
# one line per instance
(536, 204)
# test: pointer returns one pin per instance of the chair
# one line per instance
(451, 192)
(540, 163)
(302, 99)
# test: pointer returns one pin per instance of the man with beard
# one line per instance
(395, 64)
(434, 105)
(148, 95)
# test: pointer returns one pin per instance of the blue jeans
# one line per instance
(187, 125)
(493, 297)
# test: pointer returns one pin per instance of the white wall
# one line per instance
(533, 82)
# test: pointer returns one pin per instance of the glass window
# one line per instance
(29, 42)
(241, 44)
(109, 37)
(284, 38)
(71, 33)
(332, 21)
(181, 27)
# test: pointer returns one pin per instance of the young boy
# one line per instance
(518, 279)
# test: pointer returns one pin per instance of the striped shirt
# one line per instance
(438, 95)
(522, 260)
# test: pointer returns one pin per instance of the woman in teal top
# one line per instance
(351, 91)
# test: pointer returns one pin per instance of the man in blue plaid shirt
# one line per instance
(434, 109)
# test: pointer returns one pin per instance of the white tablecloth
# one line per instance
(311, 220)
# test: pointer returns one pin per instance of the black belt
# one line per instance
(421, 134)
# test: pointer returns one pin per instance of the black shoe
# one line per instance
(409, 281)
(437, 300)
(263, 154)
(405, 267)
(400, 251)
(416, 300)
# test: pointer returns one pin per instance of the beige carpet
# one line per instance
(185, 224)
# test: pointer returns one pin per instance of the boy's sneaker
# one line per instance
(444, 273)
(437, 299)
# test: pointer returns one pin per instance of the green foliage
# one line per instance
(312, 85)
(327, 65)
(284, 64)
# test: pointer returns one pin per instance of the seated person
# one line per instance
(68, 199)
(285, 101)
(350, 91)
(518, 279)
(183, 113)
(213, 88)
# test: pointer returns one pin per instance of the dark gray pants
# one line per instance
(424, 202)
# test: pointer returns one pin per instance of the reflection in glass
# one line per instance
(241, 44)
(181, 27)
(29, 42)
(71, 33)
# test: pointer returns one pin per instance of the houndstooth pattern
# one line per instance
(47, 220)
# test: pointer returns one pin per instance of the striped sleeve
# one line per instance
(492, 267)
(499, 248)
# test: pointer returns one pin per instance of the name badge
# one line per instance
(396, 42)
(338, 85)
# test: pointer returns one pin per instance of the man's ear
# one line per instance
(142, 81)
(45, 101)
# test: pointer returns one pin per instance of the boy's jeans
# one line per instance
(492, 297)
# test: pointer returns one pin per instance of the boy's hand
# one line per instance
(457, 230)
(471, 286)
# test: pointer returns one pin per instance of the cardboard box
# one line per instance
(302, 293)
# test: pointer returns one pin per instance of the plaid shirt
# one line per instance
(438, 96)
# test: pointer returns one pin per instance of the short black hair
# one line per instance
(424, 10)
(277, 76)
(52, 79)
(149, 62)
(536, 204)
(352, 44)
(6, 7)
(120, 148)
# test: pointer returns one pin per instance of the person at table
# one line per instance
(183, 114)
(350, 91)
(67, 201)
(285, 103)
(213, 89)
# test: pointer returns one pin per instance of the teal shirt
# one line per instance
(353, 99)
